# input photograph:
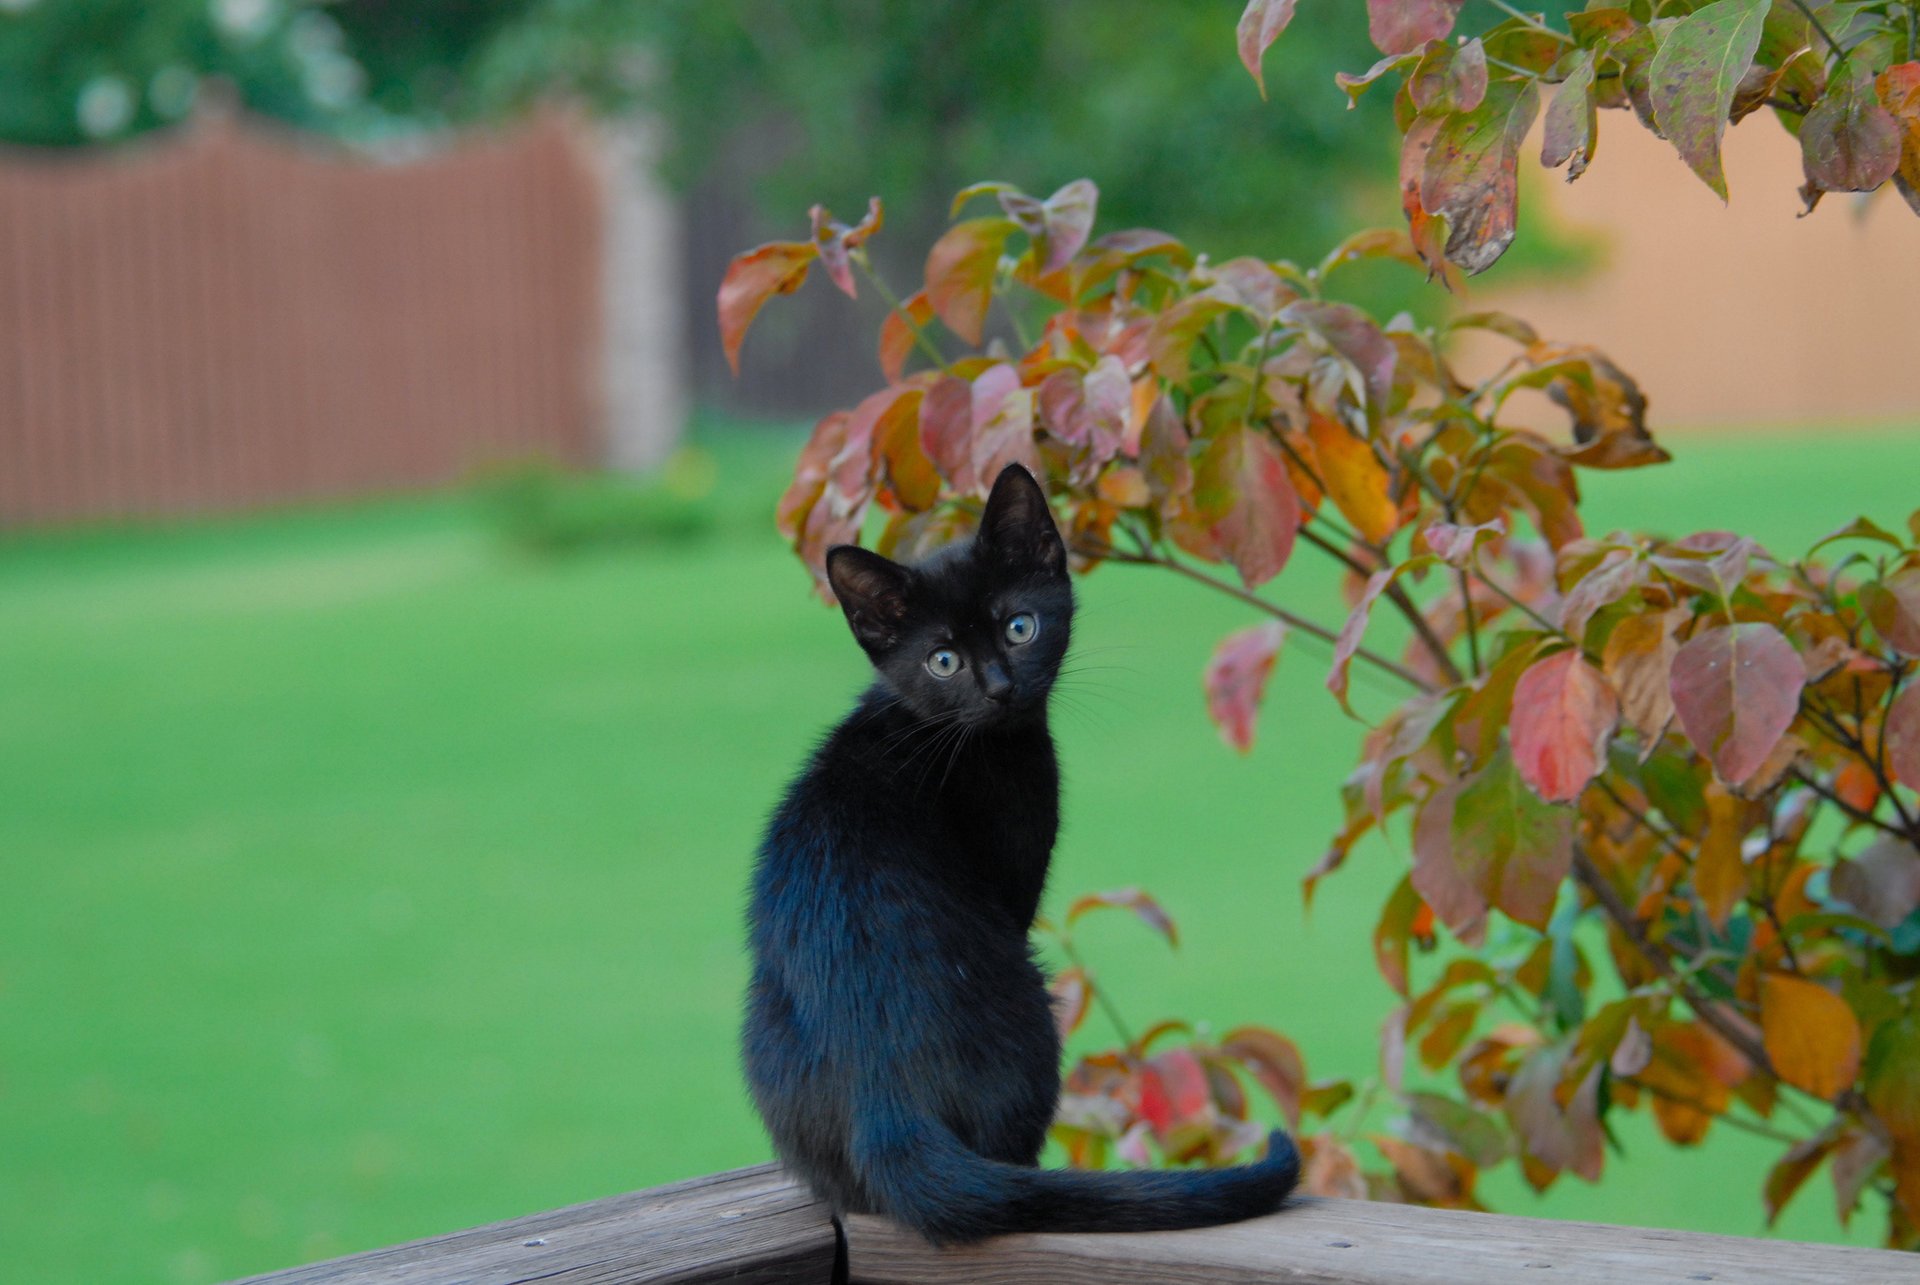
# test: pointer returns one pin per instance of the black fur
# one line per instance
(899, 1041)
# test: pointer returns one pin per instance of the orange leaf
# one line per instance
(1132, 899)
(754, 277)
(896, 335)
(1354, 477)
(1639, 659)
(1719, 875)
(1260, 26)
(960, 273)
(1811, 1036)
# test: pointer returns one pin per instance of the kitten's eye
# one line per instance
(943, 663)
(1022, 628)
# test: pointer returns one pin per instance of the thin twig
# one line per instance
(1709, 1012)
(1733, 1121)
(1394, 594)
(1285, 617)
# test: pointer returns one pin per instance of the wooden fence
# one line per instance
(757, 1227)
(227, 317)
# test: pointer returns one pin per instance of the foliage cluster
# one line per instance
(1659, 793)
(1843, 77)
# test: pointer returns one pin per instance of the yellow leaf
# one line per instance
(1354, 478)
(1719, 876)
(1811, 1036)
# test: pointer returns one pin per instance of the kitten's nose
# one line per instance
(994, 681)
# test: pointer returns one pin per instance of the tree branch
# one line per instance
(1285, 617)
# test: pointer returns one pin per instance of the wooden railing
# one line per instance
(757, 1227)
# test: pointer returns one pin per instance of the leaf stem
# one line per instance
(1818, 26)
(892, 300)
(1099, 992)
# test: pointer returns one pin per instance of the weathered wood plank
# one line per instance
(1352, 1242)
(749, 1227)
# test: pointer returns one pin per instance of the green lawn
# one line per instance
(367, 879)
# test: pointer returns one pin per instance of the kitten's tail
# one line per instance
(950, 1194)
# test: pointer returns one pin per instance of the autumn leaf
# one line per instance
(1736, 689)
(1555, 1134)
(1260, 26)
(1347, 642)
(896, 442)
(1893, 605)
(1241, 487)
(1811, 1036)
(946, 431)
(1141, 904)
(778, 267)
(1351, 335)
(1273, 1060)
(1694, 78)
(835, 240)
(1237, 677)
(1899, 88)
(1355, 479)
(1792, 1170)
(897, 332)
(1903, 736)
(1393, 935)
(1059, 225)
(1849, 142)
(1002, 421)
(1719, 874)
(960, 273)
(1488, 840)
(1471, 174)
(1072, 995)
(1400, 26)
(1564, 713)
(1882, 881)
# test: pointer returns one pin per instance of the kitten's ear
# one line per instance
(872, 591)
(1018, 525)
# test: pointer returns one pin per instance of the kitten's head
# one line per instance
(977, 630)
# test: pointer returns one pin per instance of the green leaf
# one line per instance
(1694, 77)
(1572, 122)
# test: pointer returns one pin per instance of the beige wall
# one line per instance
(1734, 314)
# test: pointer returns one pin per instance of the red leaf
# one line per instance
(778, 267)
(960, 274)
(946, 431)
(1132, 899)
(1737, 690)
(1611, 580)
(1903, 737)
(1241, 486)
(1487, 840)
(1173, 1089)
(1455, 545)
(1237, 676)
(1849, 142)
(1067, 218)
(1400, 26)
(896, 335)
(1260, 26)
(834, 239)
(1002, 418)
(1354, 338)
(1695, 75)
(1471, 177)
(1564, 713)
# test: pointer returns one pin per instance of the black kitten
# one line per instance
(899, 1040)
